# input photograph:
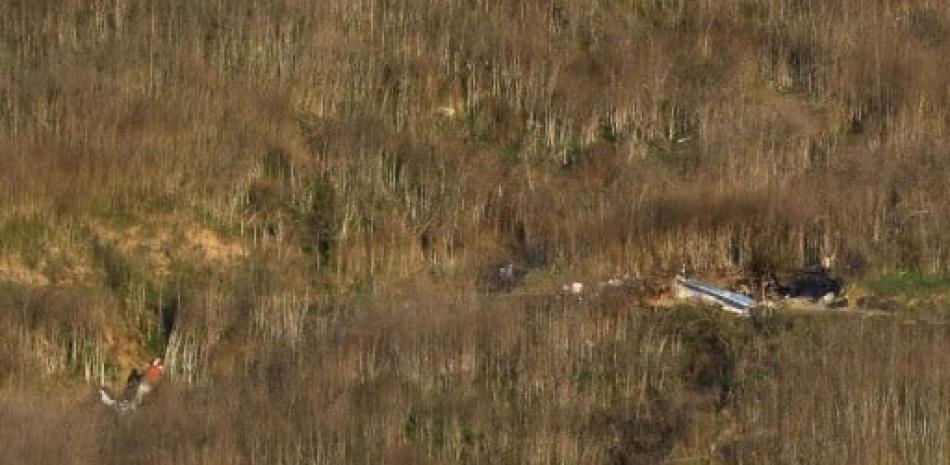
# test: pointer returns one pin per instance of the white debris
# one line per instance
(828, 298)
(137, 387)
(507, 272)
(573, 288)
(691, 289)
(121, 406)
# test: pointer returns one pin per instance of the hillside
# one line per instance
(304, 207)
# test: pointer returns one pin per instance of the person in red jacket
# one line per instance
(152, 376)
(136, 388)
(154, 371)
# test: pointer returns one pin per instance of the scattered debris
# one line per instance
(508, 277)
(501, 279)
(686, 288)
(137, 387)
(616, 281)
(813, 283)
(575, 288)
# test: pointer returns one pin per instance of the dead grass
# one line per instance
(432, 379)
(297, 202)
(571, 128)
(14, 271)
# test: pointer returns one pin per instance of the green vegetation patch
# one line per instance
(276, 165)
(910, 284)
(26, 235)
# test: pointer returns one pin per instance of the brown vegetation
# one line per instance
(297, 203)
(458, 379)
(778, 127)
